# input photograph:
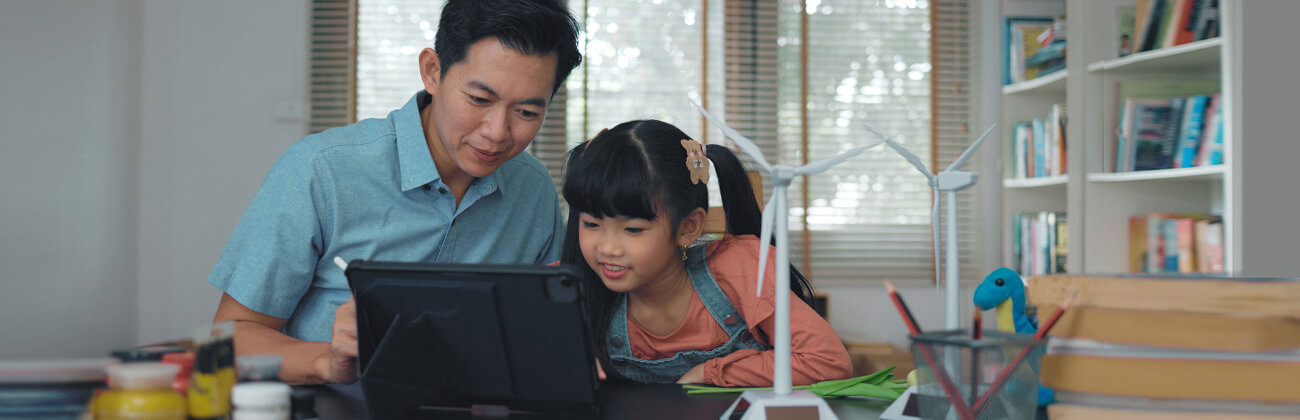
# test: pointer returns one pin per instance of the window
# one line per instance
(800, 77)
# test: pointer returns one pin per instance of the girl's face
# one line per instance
(629, 253)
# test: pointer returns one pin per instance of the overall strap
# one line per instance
(711, 295)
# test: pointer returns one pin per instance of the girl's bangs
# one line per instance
(611, 179)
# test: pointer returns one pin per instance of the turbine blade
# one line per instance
(824, 164)
(765, 238)
(966, 154)
(746, 145)
(911, 158)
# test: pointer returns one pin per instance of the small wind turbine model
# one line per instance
(950, 180)
(754, 403)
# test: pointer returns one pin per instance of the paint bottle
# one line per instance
(261, 401)
(140, 391)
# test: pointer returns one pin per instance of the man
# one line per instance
(442, 179)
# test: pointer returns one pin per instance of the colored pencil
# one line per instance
(976, 332)
(982, 404)
(954, 395)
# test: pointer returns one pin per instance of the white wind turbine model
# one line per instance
(950, 180)
(754, 403)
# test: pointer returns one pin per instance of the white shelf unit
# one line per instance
(1025, 101)
(1253, 189)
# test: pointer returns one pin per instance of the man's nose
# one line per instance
(495, 125)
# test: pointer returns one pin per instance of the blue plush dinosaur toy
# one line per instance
(1004, 291)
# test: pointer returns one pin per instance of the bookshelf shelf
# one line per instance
(1200, 54)
(1040, 182)
(1051, 83)
(1199, 173)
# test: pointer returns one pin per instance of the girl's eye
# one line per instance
(634, 230)
(590, 225)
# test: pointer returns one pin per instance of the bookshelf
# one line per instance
(1259, 236)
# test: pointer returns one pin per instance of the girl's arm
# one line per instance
(816, 353)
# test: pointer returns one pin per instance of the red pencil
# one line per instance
(954, 396)
(976, 331)
(980, 405)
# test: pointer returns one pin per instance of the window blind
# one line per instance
(332, 60)
(869, 63)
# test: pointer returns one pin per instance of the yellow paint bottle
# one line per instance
(140, 391)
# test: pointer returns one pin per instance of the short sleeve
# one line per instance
(271, 258)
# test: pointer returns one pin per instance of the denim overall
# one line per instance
(670, 369)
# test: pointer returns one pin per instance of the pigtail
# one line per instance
(741, 208)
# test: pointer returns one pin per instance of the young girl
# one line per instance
(664, 311)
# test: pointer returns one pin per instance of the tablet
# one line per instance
(467, 336)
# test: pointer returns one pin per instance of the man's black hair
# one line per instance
(532, 27)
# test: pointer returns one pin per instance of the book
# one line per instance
(1019, 37)
(1148, 24)
(1189, 135)
(1064, 411)
(1179, 329)
(1173, 127)
(1207, 22)
(1209, 131)
(1087, 366)
(1137, 244)
(1188, 293)
(1151, 117)
(1178, 12)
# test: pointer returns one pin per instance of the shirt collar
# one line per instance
(415, 161)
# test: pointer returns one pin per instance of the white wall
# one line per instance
(212, 72)
(68, 107)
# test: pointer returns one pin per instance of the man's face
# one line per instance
(486, 109)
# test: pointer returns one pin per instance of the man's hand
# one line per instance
(693, 376)
(342, 363)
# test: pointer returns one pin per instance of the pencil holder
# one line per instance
(951, 362)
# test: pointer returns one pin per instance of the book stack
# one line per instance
(1166, 23)
(1175, 243)
(1038, 145)
(1165, 133)
(1032, 47)
(1040, 242)
(1147, 347)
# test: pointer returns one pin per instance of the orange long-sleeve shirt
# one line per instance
(816, 351)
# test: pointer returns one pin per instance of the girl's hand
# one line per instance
(693, 376)
(600, 372)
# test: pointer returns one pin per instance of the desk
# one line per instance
(617, 401)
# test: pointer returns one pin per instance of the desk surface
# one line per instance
(617, 401)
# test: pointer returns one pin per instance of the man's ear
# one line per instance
(691, 227)
(430, 71)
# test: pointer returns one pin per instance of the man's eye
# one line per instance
(528, 114)
(478, 100)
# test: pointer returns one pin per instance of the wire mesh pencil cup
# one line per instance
(971, 367)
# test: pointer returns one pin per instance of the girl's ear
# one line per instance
(691, 227)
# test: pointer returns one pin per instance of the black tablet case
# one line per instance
(457, 335)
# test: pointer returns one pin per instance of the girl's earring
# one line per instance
(683, 254)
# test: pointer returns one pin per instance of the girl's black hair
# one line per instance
(636, 169)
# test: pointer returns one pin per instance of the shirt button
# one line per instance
(442, 190)
(426, 187)
(730, 320)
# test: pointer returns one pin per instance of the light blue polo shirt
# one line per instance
(371, 191)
